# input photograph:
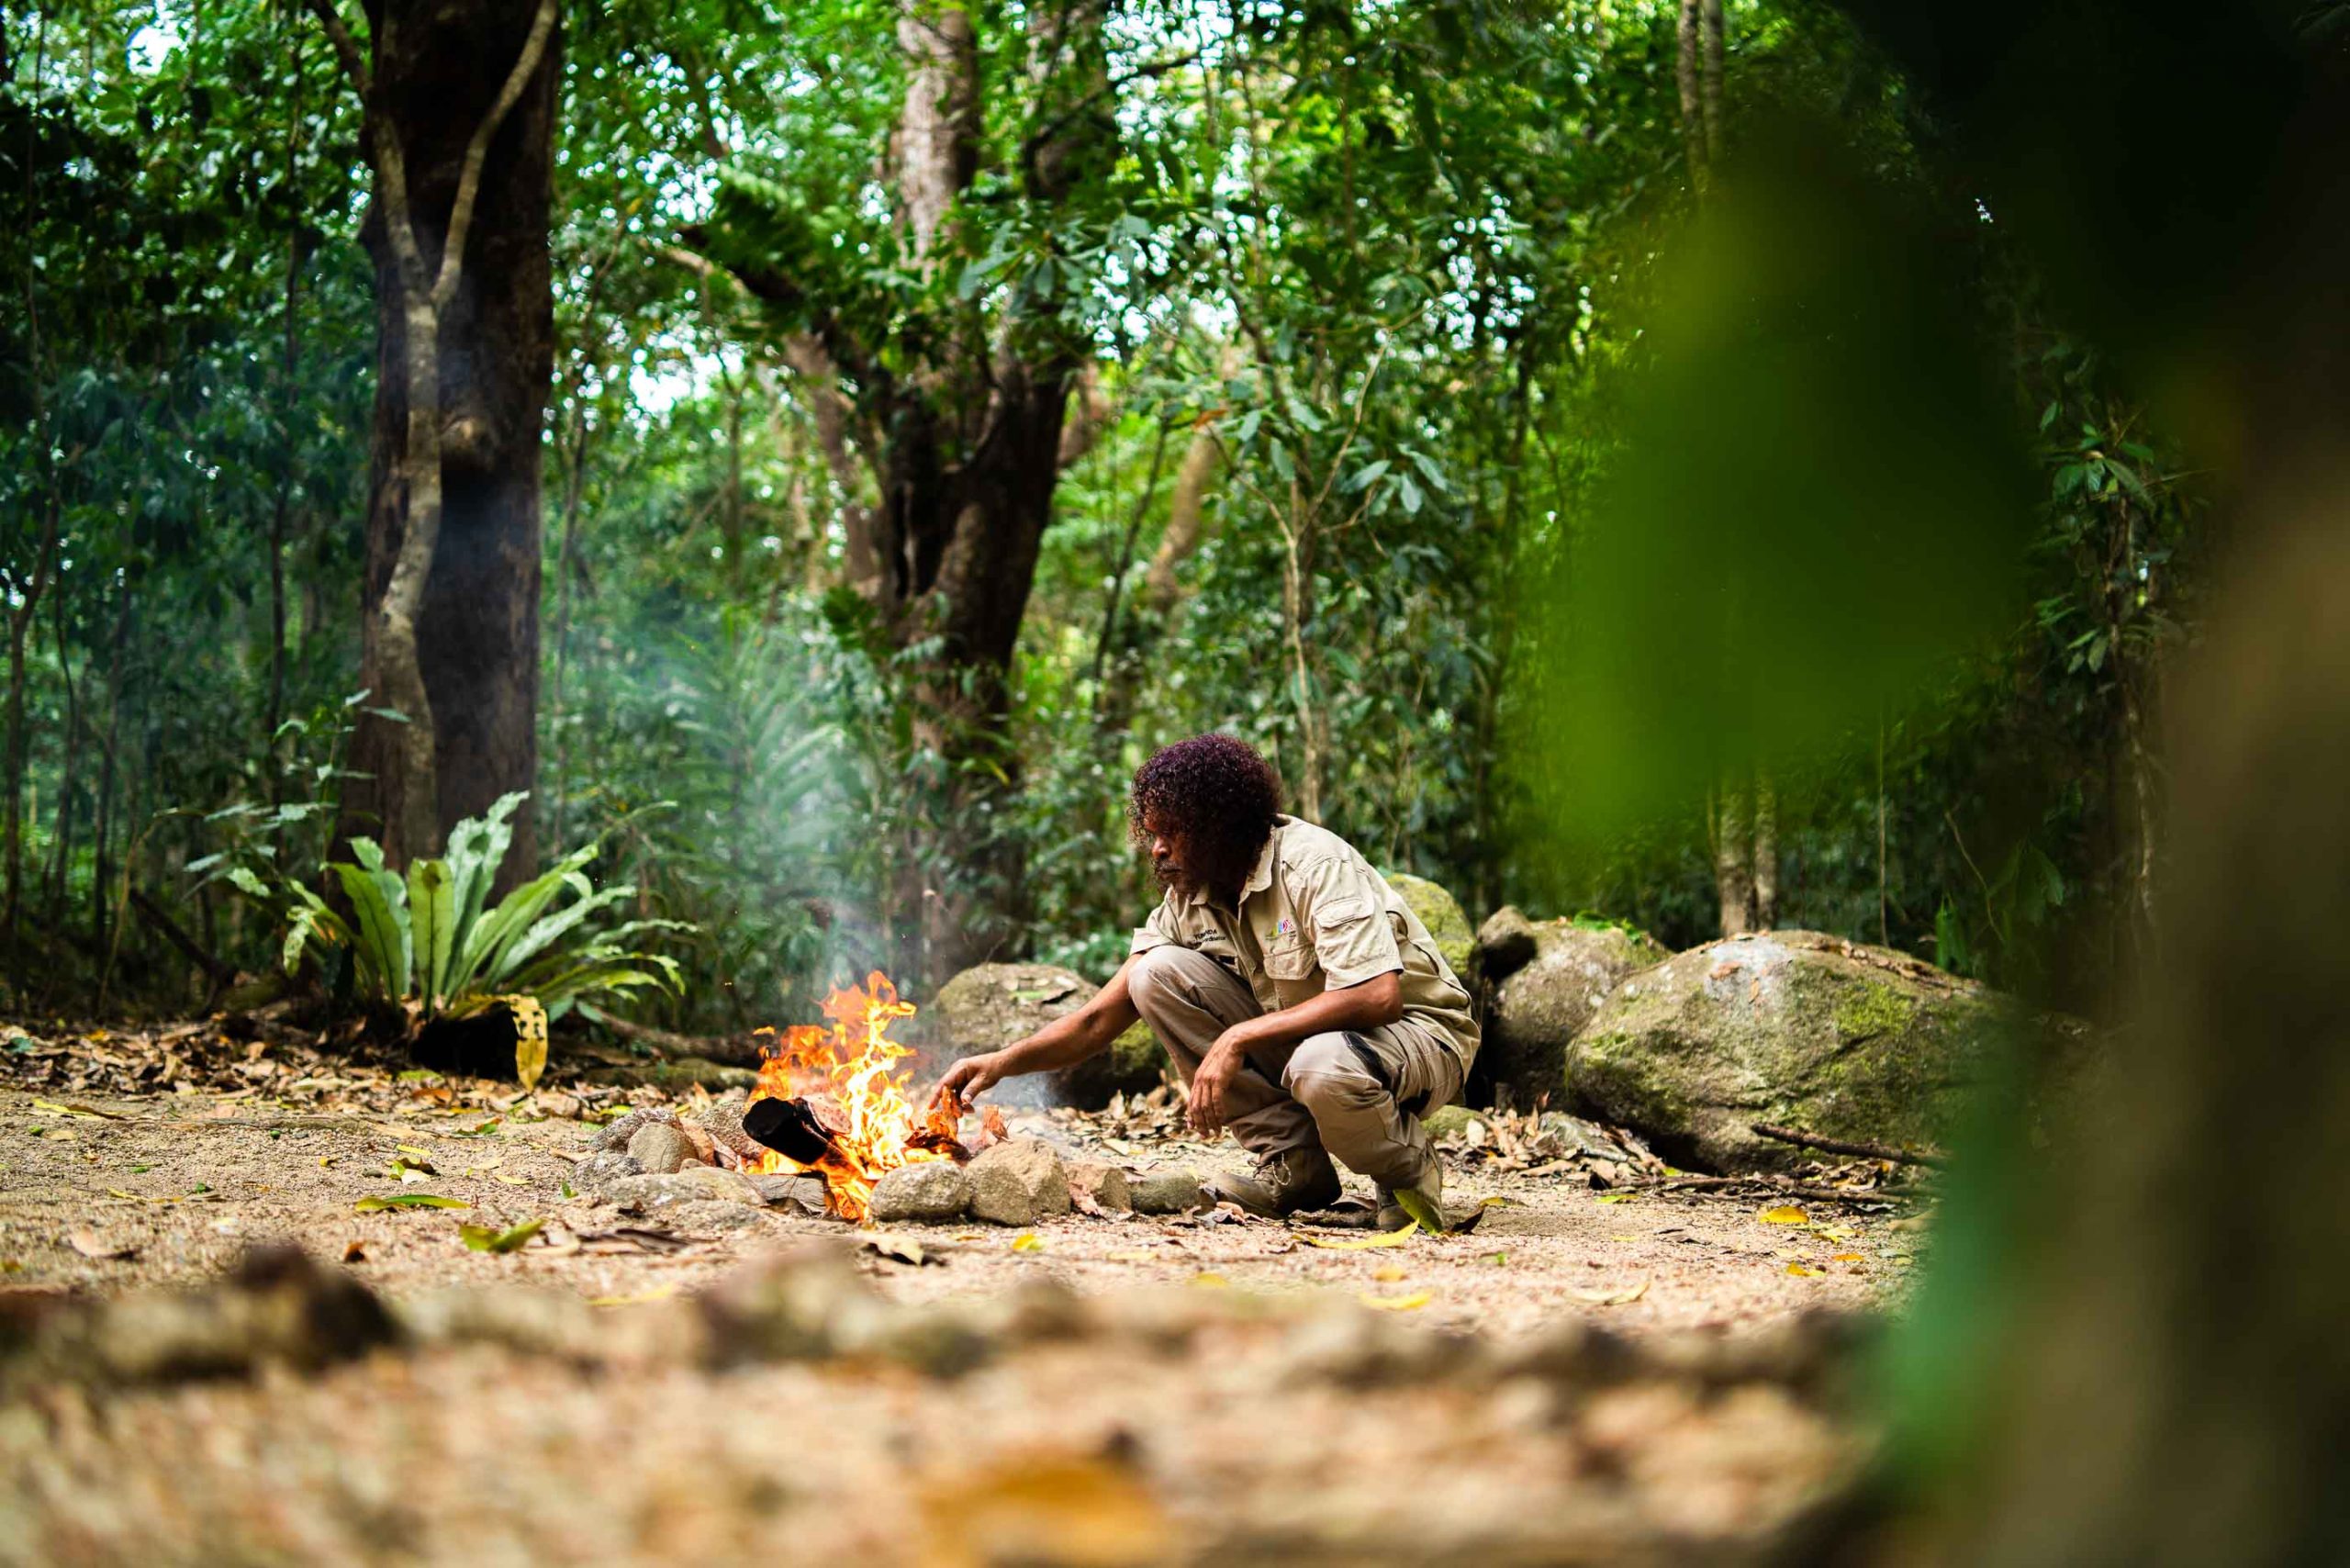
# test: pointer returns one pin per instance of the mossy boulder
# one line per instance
(1441, 913)
(1541, 981)
(1795, 1028)
(988, 1007)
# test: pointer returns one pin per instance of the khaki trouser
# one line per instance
(1358, 1093)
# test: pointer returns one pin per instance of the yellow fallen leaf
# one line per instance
(1027, 1241)
(1802, 1272)
(1211, 1279)
(658, 1293)
(1390, 1272)
(1611, 1298)
(1412, 1303)
(325, 1160)
(1833, 1232)
(1133, 1255)
(1617, 1197)
(1786, 1213)
(1362, 1243)
(90, 1112)
(505, 1181)
(1848, 1257)
(412, 1148)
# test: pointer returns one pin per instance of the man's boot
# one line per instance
(1289, 1182)
(1394, 1216)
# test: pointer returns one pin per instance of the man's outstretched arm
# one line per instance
(1064, 1042)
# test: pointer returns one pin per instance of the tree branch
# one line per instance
(461, 216)
(345, 50)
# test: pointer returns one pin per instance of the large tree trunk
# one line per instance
(965, 439)
(439, 70)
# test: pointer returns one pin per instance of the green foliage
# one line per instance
(431, 942)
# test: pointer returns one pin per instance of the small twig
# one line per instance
(1852, 1147)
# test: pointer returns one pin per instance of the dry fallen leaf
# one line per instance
(1211, 1279)
(1612, 1298)
(1617, 1197)
(1803, 1272)
(1848, 1257)
(1027, 1241)
(89, 1244)
(1388, 1273)
(899, 1250)
(487, 1238)
(658, 1293)
(1043, 1507)
(354, 1252)
(1362, 1243)
(1786, 1213)
(1412, 1303)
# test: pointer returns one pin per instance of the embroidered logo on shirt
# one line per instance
(1285, 927)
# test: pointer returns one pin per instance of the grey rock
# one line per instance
(1448, 1121)
(986, 1008)
(1104, 1185)
(694, 1184)
(615, 1133)
(1441, 913)
(1536, 1004)
(1018, 1181)
(1165, 1192)
(1789, 1027)
(927, 1191)
(598, 1169)
(805, 1193)
(662, 1148)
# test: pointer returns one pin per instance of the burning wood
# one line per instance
(833, 1101)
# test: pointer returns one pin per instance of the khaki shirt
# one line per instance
(1314, 917)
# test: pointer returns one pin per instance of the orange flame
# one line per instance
(846, 1073)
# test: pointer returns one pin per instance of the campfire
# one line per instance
(831, 1099)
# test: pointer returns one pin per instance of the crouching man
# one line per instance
(1300, 1000)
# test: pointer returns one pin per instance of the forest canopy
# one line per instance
(857, 437)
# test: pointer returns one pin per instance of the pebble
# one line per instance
(598, 1169)
(662, 1148)
(1018, 1181)
(801, 1192)
(616, 1135)
(1103, 1184)
(1165, 1192)
(696, 1183)
(932, 1191)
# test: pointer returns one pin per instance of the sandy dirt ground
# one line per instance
(1192, 1388)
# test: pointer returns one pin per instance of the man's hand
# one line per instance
(1211, 1082)
(972, 1077)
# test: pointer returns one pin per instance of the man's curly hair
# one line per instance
(1215, 798)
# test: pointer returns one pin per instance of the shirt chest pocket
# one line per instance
(1290, 960)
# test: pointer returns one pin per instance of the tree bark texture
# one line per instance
(488, 352)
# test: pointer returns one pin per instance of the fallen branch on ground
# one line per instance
(1774, 1183)
(1852, 1147)
(727, 1050)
